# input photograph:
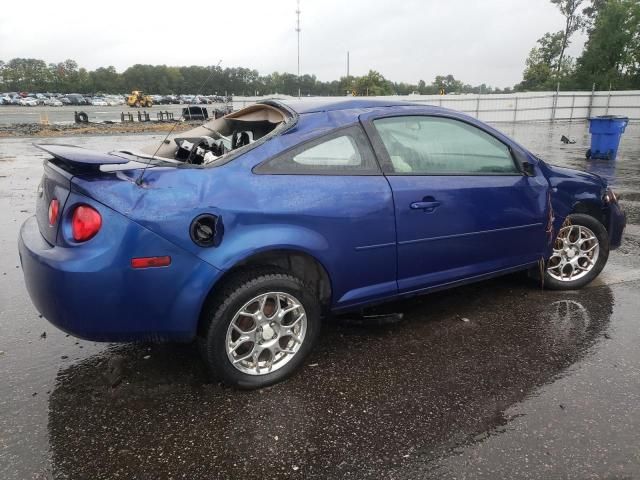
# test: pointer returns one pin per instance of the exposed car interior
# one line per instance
(207, 143)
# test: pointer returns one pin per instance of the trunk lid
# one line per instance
(55, 184)
(67, 162)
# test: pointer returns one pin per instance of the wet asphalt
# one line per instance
(494, 380)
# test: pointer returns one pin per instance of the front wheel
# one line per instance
(260, 329)
(580, 252)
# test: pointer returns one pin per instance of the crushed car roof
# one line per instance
(331, 104)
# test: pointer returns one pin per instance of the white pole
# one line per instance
(347, 65)
(298, 31)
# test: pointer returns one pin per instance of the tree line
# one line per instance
(610, 58)
(34, 75)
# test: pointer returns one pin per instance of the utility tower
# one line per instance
(298, 32)
(347, 65)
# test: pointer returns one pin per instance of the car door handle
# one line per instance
(426, 206)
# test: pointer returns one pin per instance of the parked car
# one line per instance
(99, 102)
(187, 99)
(28, 102)
(76, 99)
(201, 100)
(114, 100)
(159, 100)
(284, 213)
(53, 102)
(40, 98)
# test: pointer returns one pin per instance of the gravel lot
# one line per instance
(535, 384)
(12, 115)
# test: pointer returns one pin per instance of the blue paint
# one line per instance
(362, 229)
(81, 156)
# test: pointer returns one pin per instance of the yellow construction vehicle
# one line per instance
(137, 99)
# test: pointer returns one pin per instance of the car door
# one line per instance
(331, 189)
(463, 207)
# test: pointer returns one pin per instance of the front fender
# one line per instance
(573, 191)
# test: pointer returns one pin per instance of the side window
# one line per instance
(345, 152)
(339, 152)
(442, 146)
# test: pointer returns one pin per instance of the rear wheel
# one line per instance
(260, 329)
(580, 252)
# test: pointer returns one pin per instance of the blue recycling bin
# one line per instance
(605, 132)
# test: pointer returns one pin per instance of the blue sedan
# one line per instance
(243, 233)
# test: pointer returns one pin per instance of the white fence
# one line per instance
(517, 107)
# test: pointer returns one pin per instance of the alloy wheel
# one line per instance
(575, 253)
(266, 333)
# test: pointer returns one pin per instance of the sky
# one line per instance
(406, 40)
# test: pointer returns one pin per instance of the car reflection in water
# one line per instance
(371, 400)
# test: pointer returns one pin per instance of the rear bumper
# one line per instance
(617, 224)
(91, 291)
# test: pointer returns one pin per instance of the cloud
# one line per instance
(406, 40)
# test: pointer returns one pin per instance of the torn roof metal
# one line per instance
(316, 105)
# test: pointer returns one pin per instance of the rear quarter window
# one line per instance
(343, 152)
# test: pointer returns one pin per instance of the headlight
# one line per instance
(610, 197)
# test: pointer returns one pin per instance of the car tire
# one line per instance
(582, 246)
(266, 332)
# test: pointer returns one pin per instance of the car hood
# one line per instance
(556, 173)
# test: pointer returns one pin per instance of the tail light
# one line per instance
(54, 209)
(149, 262)
(85, 223)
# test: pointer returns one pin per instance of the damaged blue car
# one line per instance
(243, 233)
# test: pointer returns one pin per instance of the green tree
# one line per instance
(543, 64)
(573, 22)
(373, 83)
(449, 83)
(612, 52)
(105, 80)
(27, 74)
(66, 77)
(590, 13)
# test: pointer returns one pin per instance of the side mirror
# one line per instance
(528, 170)
(524, 164)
